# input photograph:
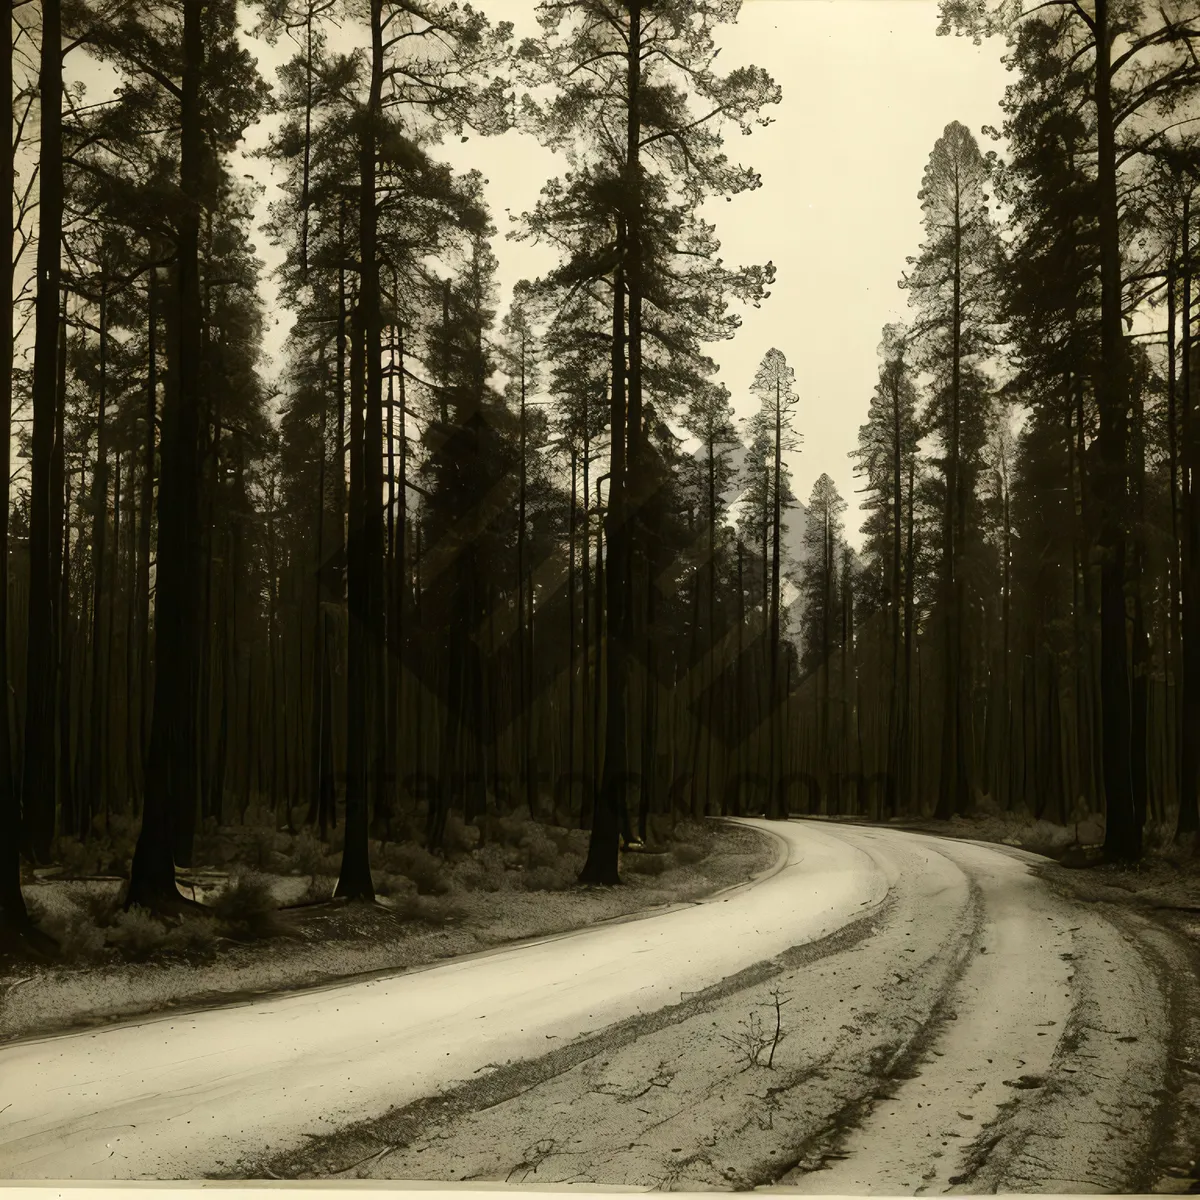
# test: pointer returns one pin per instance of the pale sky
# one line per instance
(867, 89)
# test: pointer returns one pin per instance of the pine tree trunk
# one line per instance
(97, 790)
(1123, 833)
(571, 525)
(775, 804)
(171, 777)
(1140, 643)
(1188, 822)
(950, 798)
(602, 864)
(38, 790)
(13, 913)
(365, 561)
(147, 521)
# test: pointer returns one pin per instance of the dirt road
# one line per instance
(946, 1021)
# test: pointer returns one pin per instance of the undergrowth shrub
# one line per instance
(510, 830)
(308, 855)
(100, 907)
(426, 870)
(138, 934)
(482, 872)
(558, 877)
(458, 837)
(79, 938)
(1042, 837)
(246, 908)
(538, 850)
(387, 884)
(432, 910)
(107, 851)
(320, 889)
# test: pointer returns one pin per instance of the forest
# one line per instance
(463, 554)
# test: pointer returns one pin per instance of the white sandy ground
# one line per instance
(967, 1030)
(169, 1098)
(53, 999)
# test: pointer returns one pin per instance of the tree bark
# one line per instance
(354, 880)
(13, 912)
(171, 777)
(1123, 833)
(38, 790)
(1189, 617)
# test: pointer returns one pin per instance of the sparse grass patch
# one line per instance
(643, 863)
(687, 854)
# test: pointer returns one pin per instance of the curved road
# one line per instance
(947, 1022)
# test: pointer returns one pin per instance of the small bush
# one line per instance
(687, 854)
(564, 874)
(260, 846)
(320, 889)
(577, 841)
(308, 855)
(491, 860)
(480, 873)
(426, 870)
(194, 935)
(79, 938)
(394, 885)
(247, 909)
(1042, 837)
(538, 850)
(511, 830)
(100, 907)
(458, 837)
(138, 934)
(79, 858)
